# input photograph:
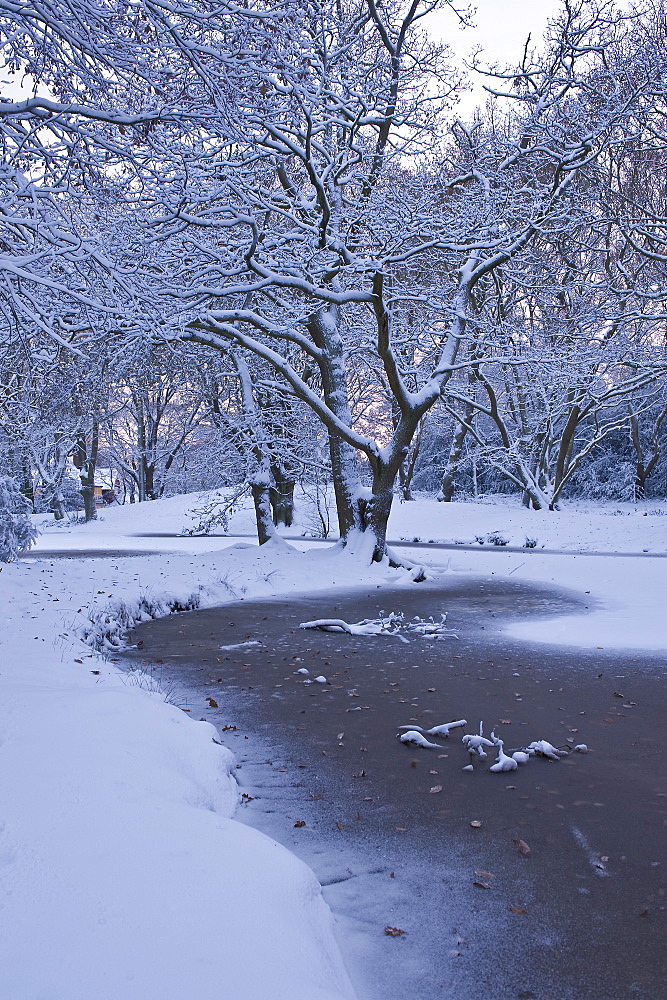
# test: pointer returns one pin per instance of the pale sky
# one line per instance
(501, 30)
(501, 27)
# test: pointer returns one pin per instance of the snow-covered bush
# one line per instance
(16, 530)
(70, 497)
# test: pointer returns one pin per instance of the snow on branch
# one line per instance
(392, 624)
(475, 744)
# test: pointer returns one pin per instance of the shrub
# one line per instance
(17, 533)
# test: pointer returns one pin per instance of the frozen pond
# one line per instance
(580, 917)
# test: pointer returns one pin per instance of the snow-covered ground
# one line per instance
(122, 871)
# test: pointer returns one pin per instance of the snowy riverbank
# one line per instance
(123, 872)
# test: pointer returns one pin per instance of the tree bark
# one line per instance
(324, 329)
(282, 496)
(263, 515)
(455, 452)
(86, 461)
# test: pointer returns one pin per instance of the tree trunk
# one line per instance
(263, 516)
(57, 506)
(86, 462)
(27, 487)
(455, 453)
(376, 517)
(141, 452)
(566, 444)
(407, 469)
(323, 328)
(149, 480)
(282, 496)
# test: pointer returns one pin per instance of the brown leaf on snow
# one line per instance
(482, 885)
(212, 703)
(300, 822)
(393, 931)
(436, 788)
(517, 909)
(484, 875)
(522, 847)
(475, 823)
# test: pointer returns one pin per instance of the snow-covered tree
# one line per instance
(341, 229)
(17, 532)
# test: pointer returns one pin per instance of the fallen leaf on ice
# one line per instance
(393, 931)
(300, 822)
(212, 703)
(482, 885)
(517, 909)
(475, 823)
(436, 788)
(484, 875)
(522, 847)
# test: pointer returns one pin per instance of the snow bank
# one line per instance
(122, 873)
(578, 526)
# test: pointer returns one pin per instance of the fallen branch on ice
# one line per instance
(414, 738)
(393, 624)
(442, 730)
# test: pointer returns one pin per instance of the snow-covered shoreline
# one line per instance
(121, 864)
